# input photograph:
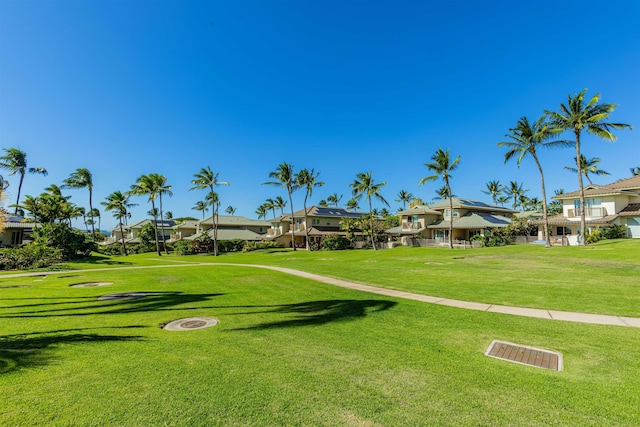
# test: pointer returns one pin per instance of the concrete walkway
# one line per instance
(599, 319)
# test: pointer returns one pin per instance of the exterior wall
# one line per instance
(633, 223)
(11, 237)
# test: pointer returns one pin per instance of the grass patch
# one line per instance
(289, 351)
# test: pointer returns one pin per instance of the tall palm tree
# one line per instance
(203, 180)
(162, 188)
(334, 199)
(577, 116)
(82, 178)
(526, 139)
(118, 202)
(308, 179)
(495, 189)
(95, 213)
(441, 165)
(364, 185)
(516, 191)
(404, 197)
(442, 193)
(270, 204)
(588, 166)
(284, 177)
(15, 161)
(201, 206)
(230, 210)
(146, 185)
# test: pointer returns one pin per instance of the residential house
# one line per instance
(617, 203)
(131, 231)
(15, 230)
(229, 228)
(426, 225)
(321, 222)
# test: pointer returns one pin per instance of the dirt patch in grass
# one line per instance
(189, 324)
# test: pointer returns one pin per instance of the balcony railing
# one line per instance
(588, 212)
(412, 225)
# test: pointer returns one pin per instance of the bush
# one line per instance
(254, 246)
(29, 257)
(184, 247)
(235, 245)
(615, 232)
(335, 243)
(71, 243)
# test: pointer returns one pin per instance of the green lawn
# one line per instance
(290, 351)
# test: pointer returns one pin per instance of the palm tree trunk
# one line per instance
(93, 231)
(450, 214)
(164, 242)
(293, 234)
(306, 228)
(216, 206)
(583, 222)
(124, 244)
(373, 243)
(19, 189)
(155, 226)
(545, 232)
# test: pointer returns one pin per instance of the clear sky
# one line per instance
(126, 88)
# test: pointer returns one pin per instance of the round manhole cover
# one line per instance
(90, 284)
(190, 323)
(122, 295)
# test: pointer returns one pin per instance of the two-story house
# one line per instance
(229, 228)
(605, 205)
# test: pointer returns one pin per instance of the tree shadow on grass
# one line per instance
(84, 306)
(100, 260)
(315, 313)
(36, 349)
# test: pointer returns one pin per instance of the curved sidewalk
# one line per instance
(568, 316)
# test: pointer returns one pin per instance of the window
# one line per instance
(16, 237)
(447, 213)
(315, 221)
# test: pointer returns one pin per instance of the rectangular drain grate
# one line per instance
(525, 355)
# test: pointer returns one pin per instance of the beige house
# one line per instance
(617, 203)
(229, 228)
(15, 230)
(427, 225)
(131, 231)
(321, 222)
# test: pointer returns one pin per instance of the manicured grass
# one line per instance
(290, 351)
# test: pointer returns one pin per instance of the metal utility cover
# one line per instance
(525, 355)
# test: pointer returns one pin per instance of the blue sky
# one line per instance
(126, 88)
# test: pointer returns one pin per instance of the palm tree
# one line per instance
(352, 204)
(162, 188)
(588, 166)
(334, 199)
(502, 199)
(95, 213)
(280, 203)
(442, 193)
(416, 201)
(15, 161)
(525, 140)
(146, 185)
(323, 203)
(82, 178)
(555, 207)
(207, 179)
(201, 206)
(168, 215)
(578, 116)
(515, 190)
(270, 204)
(495, 189)
(364, 185)
(230, 210)
(118, 202)
(308, 179)
(635, 171)
(404, 197)
(441, 165)
(284, 177)
(261, 211)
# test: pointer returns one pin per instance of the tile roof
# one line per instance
(241, 234)
(561, 220)
(398, 230)
(474, 220)
(417, 210)
(319, 211)
(459, 203)
(236, 220)
(632, 209)
(630, 186)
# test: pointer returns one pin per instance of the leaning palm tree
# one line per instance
(577, 116)
(525, 140)
(364, 185)
(146, 185)
(15, 161)
(404, 197)
(118, 202)
(334, 199)
(495, 189)
(82, 178)
(441, 165)
(284, 177)
(588, 166)
(308, 179)
(201, 206)
(206, 179)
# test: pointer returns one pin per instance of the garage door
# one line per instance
(634, 227)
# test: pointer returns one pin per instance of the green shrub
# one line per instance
(235, 245)
(254, 246)
(29, 257)
(335, 243)
(184, 247)
(71, 243)
(615, 232)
